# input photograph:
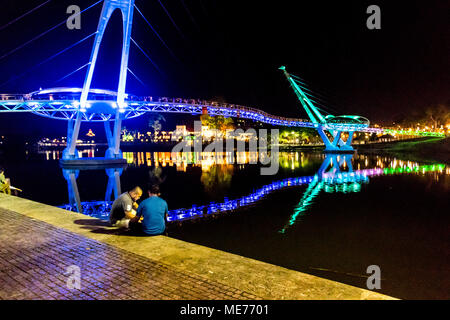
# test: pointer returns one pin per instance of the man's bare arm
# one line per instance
(130, 214)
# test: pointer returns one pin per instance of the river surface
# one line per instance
(330, 216)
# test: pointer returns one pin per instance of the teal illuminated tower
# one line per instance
(334, 125)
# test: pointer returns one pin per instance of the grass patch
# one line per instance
(425, 150)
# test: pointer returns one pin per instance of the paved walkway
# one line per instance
(38, 242)
(34, 257)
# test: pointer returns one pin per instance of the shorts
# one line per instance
(123, 223)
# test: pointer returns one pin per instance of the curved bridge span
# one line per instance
(58, 104)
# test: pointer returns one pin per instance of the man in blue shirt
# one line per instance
(151, 215)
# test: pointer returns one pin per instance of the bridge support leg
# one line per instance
(113, 184)
(336, 138)
(72, 188)
(108, 133)
(73, 129)
(347, 145)
(69, 132)
(325, 164)
(117, 129)
(348, 161)
(337, 145)
(350, 138)
(113, 151)
(328, 145)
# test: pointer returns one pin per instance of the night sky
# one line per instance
(231, 51)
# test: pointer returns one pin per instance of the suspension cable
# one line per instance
(317, 96)
(48, 59)
(156, 33)
(147, 56)
(189, 14)
(71, 73)
(325, 95)
(45, 32)
(24, 15)
(171, 19)
(137, 78)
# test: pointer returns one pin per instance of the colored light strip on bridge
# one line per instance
(67, 109)
(414, 133)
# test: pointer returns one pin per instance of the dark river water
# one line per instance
(314, 215)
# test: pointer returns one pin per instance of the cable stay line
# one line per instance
(45, 32)
(326, 95)
(137, 78)
(190, 15)
(315, 97)
(171, 19)
(323, 111)
(157, 34)
(313, 94)
(302, 84)
(71, 73)
(48, 59)
(307, 86)
(24, 15)
(148, 57)
(203, 8)
(324, 103)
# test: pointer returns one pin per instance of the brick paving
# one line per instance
(34, 257)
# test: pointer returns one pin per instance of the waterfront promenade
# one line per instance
(39, 242)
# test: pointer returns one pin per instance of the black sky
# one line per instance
(231, 50)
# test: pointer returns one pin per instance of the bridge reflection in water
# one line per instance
(336, 174)
(99, 209)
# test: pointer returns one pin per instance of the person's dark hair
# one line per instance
(154, 188)
(1, 169)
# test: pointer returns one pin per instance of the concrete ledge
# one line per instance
(259, 278)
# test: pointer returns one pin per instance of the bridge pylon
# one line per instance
(113, 188)
(109, 6)
(335, 125)
(337, 144)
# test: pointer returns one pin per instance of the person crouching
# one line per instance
(123, 208)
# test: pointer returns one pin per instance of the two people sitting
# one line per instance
(5, 185)
(124, 208)
(148, 218)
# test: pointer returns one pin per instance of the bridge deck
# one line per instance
(67, 109)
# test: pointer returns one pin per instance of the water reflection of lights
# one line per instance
(181, 160)
(330, 178)
(99, 209)
(346, 182)
(56, 154)
(205, 160)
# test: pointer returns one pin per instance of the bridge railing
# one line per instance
(17, 97)
(209, 103)
(214, 107)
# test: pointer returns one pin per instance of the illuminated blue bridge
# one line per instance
(64, 104)
(77, 105)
